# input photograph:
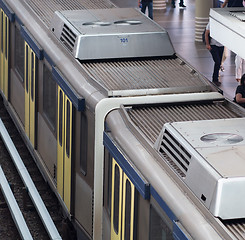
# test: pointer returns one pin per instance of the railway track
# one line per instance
(8, 230)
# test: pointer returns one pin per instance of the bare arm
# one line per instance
(224, 3)
(239, 98)
(207, 40)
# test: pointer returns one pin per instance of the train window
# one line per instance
(68, 128)
(123, 205)
(116, 199)
(83, 143)
(32, 75)
(127, 220)
(19, 53)
(109, 183)
(26, 67)
(1, 31)
(61, 118)
(6, 38)
(159, 227)
(49, 96)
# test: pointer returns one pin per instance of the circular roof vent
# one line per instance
(127, 22)
(98, 23)
(222, 138)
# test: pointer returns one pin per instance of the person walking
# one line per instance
(149, 4)
(216, 49)
(181, 4)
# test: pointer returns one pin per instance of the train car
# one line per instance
(176, 169)
(84, 87)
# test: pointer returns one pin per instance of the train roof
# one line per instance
(127, 77)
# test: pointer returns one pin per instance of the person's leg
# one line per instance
(181, 3)
(150, 10)
(224, 56)
(173, 3)
(217, 53)
(238, 69)
(221, 52)
(143, 8)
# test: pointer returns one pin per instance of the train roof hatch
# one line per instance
(110, 34)
(209, 156)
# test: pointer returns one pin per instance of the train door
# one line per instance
(4, 58)
(64, 146)
(30, 93)
(122, 205)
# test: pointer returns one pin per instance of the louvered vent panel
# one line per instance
(176, 152)
(68, 37)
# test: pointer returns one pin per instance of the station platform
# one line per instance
(180, 24)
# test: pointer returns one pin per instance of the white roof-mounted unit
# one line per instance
(209, 156)
(110, 33)
(227, 26)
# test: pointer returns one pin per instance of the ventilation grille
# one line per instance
(68, 37)
(176, 154)
(238, 14)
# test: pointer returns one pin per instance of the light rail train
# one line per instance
(133, 140)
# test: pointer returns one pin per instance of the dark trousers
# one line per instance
(150, 8)
(217, 53)
(181, 2)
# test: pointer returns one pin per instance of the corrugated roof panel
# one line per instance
(150, 120)
(165, 75)
(237, 227)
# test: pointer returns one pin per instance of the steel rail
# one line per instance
(33, 193)
(14, 208)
